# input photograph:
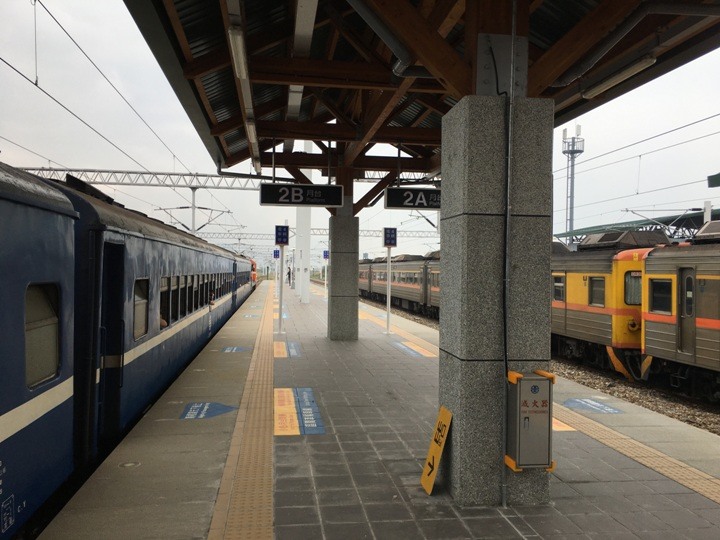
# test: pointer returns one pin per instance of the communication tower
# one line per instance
(572, 147)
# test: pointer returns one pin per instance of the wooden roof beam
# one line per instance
(340, 132)
(570, 48)
(323, 73)
(422, 39)
(367, 163)
(445, 14)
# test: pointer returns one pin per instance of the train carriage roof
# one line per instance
(28, 189)
(104, 213)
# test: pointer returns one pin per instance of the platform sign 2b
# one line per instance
(328, 196)
(432, 463)
(282, 235)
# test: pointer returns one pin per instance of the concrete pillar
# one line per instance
(302, 254)
(472, 372)
(343, 272)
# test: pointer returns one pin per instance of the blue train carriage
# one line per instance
(36, 360)
(149, 296)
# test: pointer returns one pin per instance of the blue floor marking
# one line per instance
(236, 349)
(204, 409)
(293, 348)
(407, 350)
(591, 405)
(308, 412)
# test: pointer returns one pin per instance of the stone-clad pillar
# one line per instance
(472, 373)
(343, 269)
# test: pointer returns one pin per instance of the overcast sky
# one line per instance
(665, 175)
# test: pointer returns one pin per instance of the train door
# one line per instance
(686, 312)
(112, 331)
(234, 286)
(559, 303)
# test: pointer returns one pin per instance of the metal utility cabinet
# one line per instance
(529, 420)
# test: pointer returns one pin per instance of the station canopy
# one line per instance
(350, 74)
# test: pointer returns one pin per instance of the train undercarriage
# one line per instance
(688, 380)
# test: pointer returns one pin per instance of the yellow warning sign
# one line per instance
(280, 349)
(285, 412)
(432, 463)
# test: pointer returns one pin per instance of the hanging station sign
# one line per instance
(327, 196)
(412, 198)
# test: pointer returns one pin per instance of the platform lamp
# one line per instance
(620, 76)
(238, 54)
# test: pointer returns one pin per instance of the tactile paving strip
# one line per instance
(688, 476)
(244, 507)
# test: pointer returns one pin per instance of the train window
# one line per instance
(196, 292)
(183, 296)
(689, 300)
(661, 295)
(174, 298)
(633, 288)
(42, 334)
(164, 301)
(140, 312)
(559, 288)
(597, 291)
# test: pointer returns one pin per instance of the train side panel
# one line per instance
(588, 289)
(36, 361)
(163, 320)
(681, 299)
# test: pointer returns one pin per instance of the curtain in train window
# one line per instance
(559, 288)
(597, 291)
(140, 311)
(633, 288)
(175, 298)
(164, 302)
(42, 335)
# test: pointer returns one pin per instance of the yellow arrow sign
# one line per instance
(432, 463)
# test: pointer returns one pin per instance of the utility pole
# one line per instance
(572, 147)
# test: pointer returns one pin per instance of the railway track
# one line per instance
(700, 414)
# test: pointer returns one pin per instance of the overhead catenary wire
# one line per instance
(705, 119)
(119, 93)
(638, 156)
(32, 152)
(75, 115)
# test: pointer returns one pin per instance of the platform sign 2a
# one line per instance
(390, 237)
(437, 444)
(282, 235)
(412, 198)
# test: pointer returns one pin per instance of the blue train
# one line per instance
(101, 308)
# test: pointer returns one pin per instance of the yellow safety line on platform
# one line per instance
(557, 425)
(285, 412)
(244, 507)
(419, 349)
(682, 473)
(426, 345)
